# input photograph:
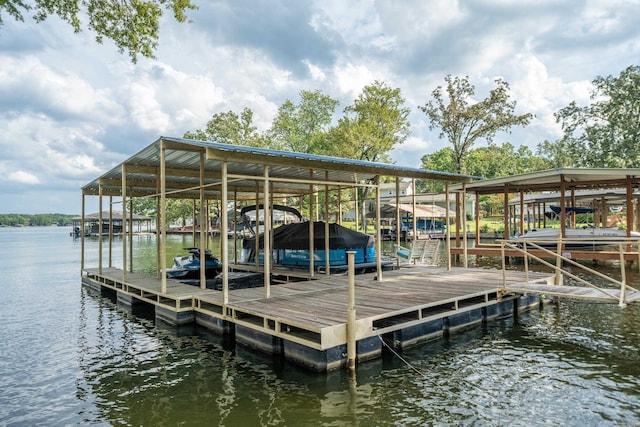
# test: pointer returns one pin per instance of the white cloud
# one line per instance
(350, 79)
(23, 177)
(70, 108)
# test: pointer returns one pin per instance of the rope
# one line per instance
(402, 359)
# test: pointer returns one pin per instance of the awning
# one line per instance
(422, 211)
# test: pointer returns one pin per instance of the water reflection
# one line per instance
(571, 362)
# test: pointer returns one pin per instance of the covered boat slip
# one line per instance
(229, 175)
(306, 321)
(527, 197)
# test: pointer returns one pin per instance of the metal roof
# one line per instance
(617, 196)
(290, 173)
(550, 180)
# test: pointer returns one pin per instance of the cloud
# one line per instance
(71, 108)
(23, 177)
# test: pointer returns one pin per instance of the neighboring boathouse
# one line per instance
(311, 317)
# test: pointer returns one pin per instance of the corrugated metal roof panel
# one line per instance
(291, 173)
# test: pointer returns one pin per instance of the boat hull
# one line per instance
(585, 238)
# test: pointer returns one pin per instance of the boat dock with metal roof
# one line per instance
(309, 321)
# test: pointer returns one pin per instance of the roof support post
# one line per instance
(464, 225)
(159, 214)
(398, 219)
(235, 223)
(339, 219)
(100, 228)
(457, 220)
(203, 244)
(163, 217)
(267, 234)
(378, 233)
(257, 227)
(413, 207)
(573, 205)
(130, 233)
(476, 213)
(448, 225)
(82, 234)
(505, 207)
(356, 205)
(521, 228)
(563, 208)
(193, 223)
(629, 206)
(110, 231)
(327, 243)
(224, 234)
(124, 222)
(311, 236)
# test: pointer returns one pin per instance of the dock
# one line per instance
(305, 321)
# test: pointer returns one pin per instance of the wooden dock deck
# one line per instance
(306, 320)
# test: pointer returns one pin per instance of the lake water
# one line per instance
(71, 357)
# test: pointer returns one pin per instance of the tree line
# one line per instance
(17, 220)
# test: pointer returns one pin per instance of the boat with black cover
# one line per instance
(291, 245)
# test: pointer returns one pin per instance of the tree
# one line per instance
(146, 206)
(556, 154)
(607, 132)
(230, 128)
(441, 160)
(303, 127)
(372, 127)
(464, 121)
(133, 25)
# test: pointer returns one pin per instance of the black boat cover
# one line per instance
(568, 209)
(296, 236)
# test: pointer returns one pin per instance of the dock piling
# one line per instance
(351, 315)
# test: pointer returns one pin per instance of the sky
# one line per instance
(71, 109)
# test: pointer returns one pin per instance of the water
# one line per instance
(71, 357)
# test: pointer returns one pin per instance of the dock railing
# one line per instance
(562, 256)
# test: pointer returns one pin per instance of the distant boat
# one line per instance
(188, 266)
(590, 237)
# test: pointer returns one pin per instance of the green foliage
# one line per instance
(35, 220)
(302, 128)
(605, 133)
(179, 210)
(133, 25)
(463, 121)
(372, 126)
(555, 154)
(492, 161)
(145, 206)
(230, 128)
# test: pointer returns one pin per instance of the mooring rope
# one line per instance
(401, 358)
